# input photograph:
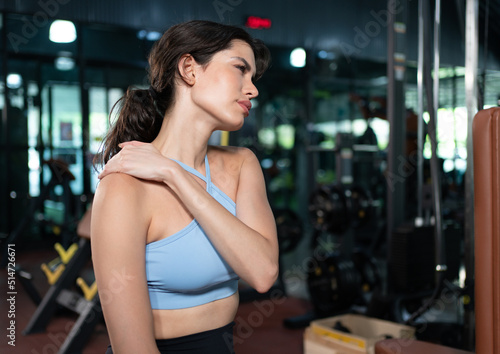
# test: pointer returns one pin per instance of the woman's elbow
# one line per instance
(267, 280)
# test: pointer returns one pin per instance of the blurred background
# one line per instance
(344, 126)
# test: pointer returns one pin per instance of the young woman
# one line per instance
(175, 222)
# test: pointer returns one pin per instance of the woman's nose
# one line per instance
(251, 91)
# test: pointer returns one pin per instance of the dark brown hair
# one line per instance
(141, 112)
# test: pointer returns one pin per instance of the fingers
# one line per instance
(135, 158)
(131, 143)
(111, 166)
(104, 172)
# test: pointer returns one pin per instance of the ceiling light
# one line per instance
(323, 54)
(149, 35)
(64, 63)
(142, 34)
(298, 58)
(14, 81)
(153, 36)
(62, 31)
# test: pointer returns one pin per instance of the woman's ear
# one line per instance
(187, 69)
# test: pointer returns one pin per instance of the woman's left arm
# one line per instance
(247, 242)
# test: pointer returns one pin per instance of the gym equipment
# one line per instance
(60, 176)
(336, 282)
(432, 95)
(368, 269)
(65, 280)
(89, 292)
(65, 254)
(412, 257)
(360, 204)
(333, 285)
(59, 294)
(25, 279)
(56, 267)
(328, 209)
(335, 208)
(289, 229)
(53, 275)
(486, 138)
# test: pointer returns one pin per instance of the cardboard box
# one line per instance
(321, 337)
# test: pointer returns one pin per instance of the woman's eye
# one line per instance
(242, 68)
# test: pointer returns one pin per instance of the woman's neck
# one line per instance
(184, 138)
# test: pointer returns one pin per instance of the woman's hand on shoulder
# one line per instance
(140, 160)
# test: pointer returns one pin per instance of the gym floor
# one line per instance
(259, 323)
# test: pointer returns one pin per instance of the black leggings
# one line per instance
(215, 341)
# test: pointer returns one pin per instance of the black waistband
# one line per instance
(214, 341)
(196, 336)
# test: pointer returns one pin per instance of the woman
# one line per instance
(178, 221)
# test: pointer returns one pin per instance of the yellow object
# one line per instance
(363, 333)
(224, 138)
(339, 336)
(54, 263)
(66, 254)
(88, 291)
(52, 276)
(466, 299)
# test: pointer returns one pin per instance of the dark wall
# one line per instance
(354, 28)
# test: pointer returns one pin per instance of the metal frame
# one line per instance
(471, 96)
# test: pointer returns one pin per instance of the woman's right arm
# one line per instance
(118, 238)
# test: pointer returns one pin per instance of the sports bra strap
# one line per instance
(191, 170)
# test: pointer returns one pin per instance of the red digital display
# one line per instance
(255, 22)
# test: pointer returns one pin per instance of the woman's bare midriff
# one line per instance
(182, 322)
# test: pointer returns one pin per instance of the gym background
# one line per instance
(357, 98)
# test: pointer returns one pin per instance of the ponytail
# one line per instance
(139, 119)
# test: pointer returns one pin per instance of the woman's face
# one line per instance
(224, 87)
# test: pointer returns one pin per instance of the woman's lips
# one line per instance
(246, 105)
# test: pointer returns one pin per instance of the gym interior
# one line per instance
(377, 130)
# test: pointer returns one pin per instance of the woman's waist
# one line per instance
(181, 322)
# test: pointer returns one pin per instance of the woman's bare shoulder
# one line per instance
(119, 187)
(226, 165)
(231, 153)
(118, 208)
(120, 181)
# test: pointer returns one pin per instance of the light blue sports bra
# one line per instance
(184, 269)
